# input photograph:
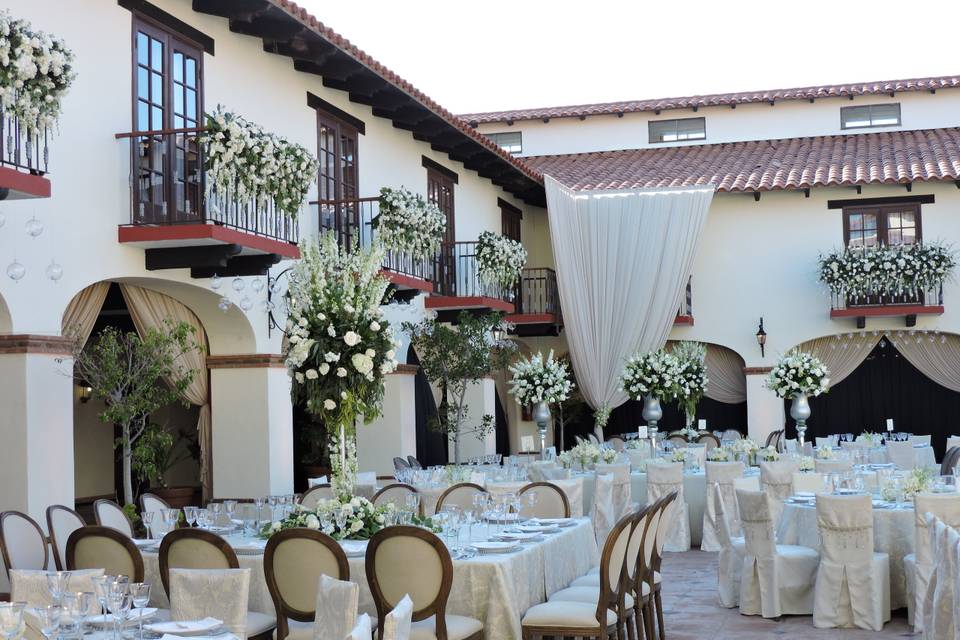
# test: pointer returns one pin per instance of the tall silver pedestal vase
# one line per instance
(541, 415)
(652, 413)
(800, 412)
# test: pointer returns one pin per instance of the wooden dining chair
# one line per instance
(151, 502)
(22, 543)
(61, 522)
(654, 576)
(677, 437)
(108, 513)
(405, 560)
(293, 562)
(97, 547)
(708, 440)
(312, 496)
(396, 494)
(460, 494)
(617, 443)
(551, 500)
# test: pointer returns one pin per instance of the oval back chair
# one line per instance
(22, 543)
(110, 514)
(460, 494)
(104, 548)
(61, 522)
(194, 549)
(551, 501)
(312, 496)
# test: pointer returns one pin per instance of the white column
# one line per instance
(764, 409)
(252, 426)
(481, 398)
(394, 433)
(36, 424)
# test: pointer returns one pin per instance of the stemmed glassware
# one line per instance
(11, 619)
(203, 518)
(170, 518)
(49, 618)
(58, 582)
(77, 606)
(147, 517)
(119, 603)
(140, 593)
(191, 515)
(341, 520)
(101, 590)
(214, 509)
(230, 508)
(532, 503)
(413, 502)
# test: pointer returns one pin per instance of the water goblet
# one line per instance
(341, 520)
(191, 515)
(119, 604)
(147, 517)
(57, 583)
(532, 502)
(140, 592)
(81, 604)
(49, 618)
(214, 509)
(230, 508)
(101, 589)
(413, 502)
(203, 518)
(11, 619)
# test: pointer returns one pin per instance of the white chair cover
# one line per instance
(602, 512)
(723, 474)
(829, 441)
(807, 481)
(790, 445)
(30, 586)
(924, 440)
(952, 441)
(943, 624)
(919, 565)
(902, 455)
(730, 561)
(396, 625)
(638, 457)
(110, 514)
(938, 533)
(750, 483)
(776, 478)
(622, 500)
(777, 579)
(216, 593)
(336, 609)
(698, 452)
(833, 466)
(853, 583)
(663, 479)
(363, 630)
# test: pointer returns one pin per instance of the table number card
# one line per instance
(701, 425)
(642, 432)
(889, 424)
(526, 443)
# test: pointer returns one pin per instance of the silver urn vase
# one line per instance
(541, 415)
(652, 413)
(800, 412)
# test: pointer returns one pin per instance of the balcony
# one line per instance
(354, 220)
(685, 312)
(182, 225)
(457, 285)
(23, 161)
(907, 306)
(537, 304)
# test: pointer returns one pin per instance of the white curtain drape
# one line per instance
(841, 354)
(150, 310)
(939, 360)
(726, 380)
(82, 312)
(622, 259)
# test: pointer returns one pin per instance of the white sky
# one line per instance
(499, 54)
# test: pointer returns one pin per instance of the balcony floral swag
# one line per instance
(499, 259)
(36, 70)
(888, 271)
(408, 223)
(798, 373)
(339, 347)
(249, 163)
(540, 379)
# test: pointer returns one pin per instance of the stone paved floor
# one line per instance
(691, 610)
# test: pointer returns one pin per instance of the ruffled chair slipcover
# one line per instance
(722, 474)
(924, 615)
(918, 566)
(663, 479)
(902, 455)
(942, 623)
(776, 478)
(732, 550)
(853, 582)
(621, 487)
(777, 579)
(602, 511)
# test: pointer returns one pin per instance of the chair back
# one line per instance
(812, 482)
(776, 478)
(653, 514)
(405, 560)
(757, 521)
(61, 522)
(22, 543)
(834, 466)
(400, 464)
(194, 549)
(902, 455)
(616, 443)
(634, 567)
(152, 503)
(773, 438)
(945, 507)
(108, 513)
(223, 594)
(708, 440)
(613, 562)
(293, 562)
(312, 496)
(720, 511)
(920, 440)
(551, 500)
(394, 494)
(950, 459)
(677, 438)
(846, 529)
(668, 511)
(732, 434)
(414, 463)
(460, 494)
(104, 548)
(953, 441)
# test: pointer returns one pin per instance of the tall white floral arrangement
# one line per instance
(691, 384)
(540, 379)
(36, 70)
(249, 163)
(409, 223)
(798, 373)
(860, 272)
(339, 347)
(499, 259)
(656, 374)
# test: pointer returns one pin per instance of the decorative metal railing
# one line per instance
(538, 293)
(931, 297)
(457, 274)
(20, 149)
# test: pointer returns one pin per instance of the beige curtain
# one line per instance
(938, 360)
(727, 382)
(623, 259)
(82, 312)
(841, 354)
(149, 310)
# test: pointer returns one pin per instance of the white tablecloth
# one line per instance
(495, 589)
(893, 533)
(573, 487)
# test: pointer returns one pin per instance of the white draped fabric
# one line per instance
(725, 372)
(82, 312)
(623, 259)
(937, 360)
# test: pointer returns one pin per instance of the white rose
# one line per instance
(324, 368)
(331, 331)
(274, 527)
(362, 363)
(391, 354)
(343, 395)
(374, 326)
(299, 377)
(312, 522)
(312, 374)
(351, 338)
(303, 322)
(329, 405)
(341, 372)
(370, 353)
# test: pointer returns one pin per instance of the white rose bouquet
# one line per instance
(656, 374)
(586, 454)
(499, 260)
(409, 223)
(691, 381)
(825, 453)
(745, 445)
(679, 455)
(870, 438)
(798, 373)
(540, 379)
(361, 519)
(768, 454)
(718, 454)
(807, 463)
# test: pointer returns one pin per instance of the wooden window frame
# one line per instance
(652, 140)
(495, 137)
(510, 220)
(881, 210)
(445, 181)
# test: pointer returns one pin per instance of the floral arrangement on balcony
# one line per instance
(499, 260)
(653, 374)
(36, 70)
(540, 379)
(888, 271)
(339, 347)
(798, 373)
(691, 379)
(408, 223)
(244, 160)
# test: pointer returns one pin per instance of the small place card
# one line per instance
(890, 424)
(701, 425)
(526, 443)
(642, 432)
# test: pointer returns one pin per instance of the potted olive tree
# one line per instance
(159, 449)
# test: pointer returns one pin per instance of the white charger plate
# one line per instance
(186, 627)
(495, 547)
(560, 522)
(136, 615)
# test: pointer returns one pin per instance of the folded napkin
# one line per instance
(185, 627)
(317, 481)
(363, 630)
(222, 636)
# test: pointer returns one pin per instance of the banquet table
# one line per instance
(893, 533)
(573, 487)
(496, 589)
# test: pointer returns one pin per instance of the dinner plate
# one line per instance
(510, 517)
(560, 522)
(136, 615)
(495, 547)
(185, 627)
(518, 536)
(533, 528)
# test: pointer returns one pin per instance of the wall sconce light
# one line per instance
(85, 393)
(761, 338)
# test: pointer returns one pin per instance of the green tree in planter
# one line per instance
(156, 452)
(452, 357)
(135, 376)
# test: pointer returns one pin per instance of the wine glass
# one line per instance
(119, 604)
(413, 502)
(11, 619)
(230, 507)
(57, 584)
(147, 517)
(190, 515)
(101, 589)
(532, 503)
(140, 592)
(203, 518)
(79, 605)
(49, 618)
(214, 509)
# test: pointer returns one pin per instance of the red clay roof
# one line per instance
(764, 165)
(717, 99)
(363, 58)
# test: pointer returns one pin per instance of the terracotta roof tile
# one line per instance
(765, 165)
(718, 99)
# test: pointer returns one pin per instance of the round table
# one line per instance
(572, 487)
(893, 533)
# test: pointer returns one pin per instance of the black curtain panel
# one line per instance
(502, 429)
(431, 444)
(884, 386)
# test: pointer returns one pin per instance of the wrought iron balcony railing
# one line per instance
(168, 187)
(354, 220)
(538, 293)
(686, 306)
(842, 301)
(21, 150)
(457, 274)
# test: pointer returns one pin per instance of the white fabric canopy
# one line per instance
(623, 259)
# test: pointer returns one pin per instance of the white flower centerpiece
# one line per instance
(339, 347)
(585, 455)
(719, 454)
(825, 453)
(651, 377)
(807, 463)
(409, 223)
(745, 450)
(691, 379)
(499, 260)
(244, 162)
(36, 70)
(538, 379)
(870, 438)
(361, 519)
(768, 454)
(888, 271)
(798, 375)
